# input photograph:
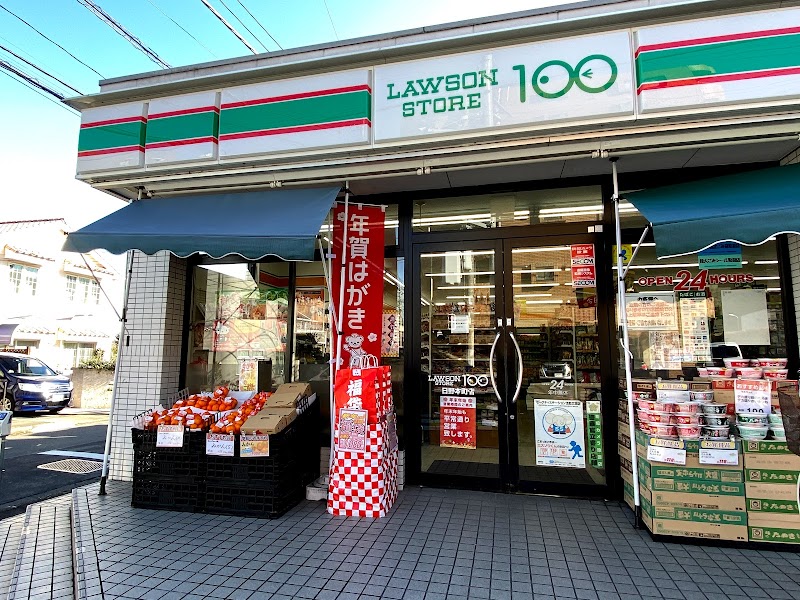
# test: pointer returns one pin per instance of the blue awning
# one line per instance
(748, 208)
(283, 223)
(7, 332)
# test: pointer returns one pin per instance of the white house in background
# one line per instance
(50, 301)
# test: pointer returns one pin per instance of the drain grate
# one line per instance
(73, 465)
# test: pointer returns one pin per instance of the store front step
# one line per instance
(42, 554)
(84, 551)
(10, 534)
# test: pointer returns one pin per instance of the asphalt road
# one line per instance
(73, 430)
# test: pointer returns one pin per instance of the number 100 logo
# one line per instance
(593, 74)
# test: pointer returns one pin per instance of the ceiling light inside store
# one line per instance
(766, 262)
(773, 289)
(451, 219)
(538, 271)
(776, 278)
(544, 302)
(521, 285)
(550, 249)
(460, 273)
(392, 279)
(531, 295)
(459, 253)
(465, 287)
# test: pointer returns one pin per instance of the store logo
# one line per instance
(593, 74)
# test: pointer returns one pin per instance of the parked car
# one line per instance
(30, 385)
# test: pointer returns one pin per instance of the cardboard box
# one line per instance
(704, 531)
(713, 488)
(770, 454)
(624, 453)
(762, 519)
(288, 394)
(688, 501)
(704, 473)
(771, 476)
(627, 494)
(769, 529)
(269, 420)
(625, 462)
(770, 491)
(627, 476)
(692, 455)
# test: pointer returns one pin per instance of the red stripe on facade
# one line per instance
(655, 85)
(314, 94)
(717, 39)
(296, 129)
(110, 151)
(184, 111)
(187, 142)
(113, 122)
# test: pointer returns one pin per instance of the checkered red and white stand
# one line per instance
(364, 484)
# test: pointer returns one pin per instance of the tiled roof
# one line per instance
(9, 226)
(28, 252)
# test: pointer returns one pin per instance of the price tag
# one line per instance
(718, 453)
(253, 446)
(753, 396)
(219, 444)
(672, 452)
(169, 436)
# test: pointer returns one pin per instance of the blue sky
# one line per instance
(40, 137)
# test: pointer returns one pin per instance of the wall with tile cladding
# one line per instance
(150, 366)
(794, 245)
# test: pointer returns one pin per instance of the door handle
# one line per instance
(519, 369)
(491, 368)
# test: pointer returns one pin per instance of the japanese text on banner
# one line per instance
(363, 282)
(457, 422)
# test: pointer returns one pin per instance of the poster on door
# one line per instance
(362, 297)
(457, 422)
(560, 439)
(584, 273)
(693, 307)
(654, 311)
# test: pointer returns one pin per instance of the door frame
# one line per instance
(500, 240)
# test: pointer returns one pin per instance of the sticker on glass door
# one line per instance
(560, 440)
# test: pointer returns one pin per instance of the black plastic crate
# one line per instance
(265, 469)
(194, 443)
(168, 493)
(251, 501)
(157, 462)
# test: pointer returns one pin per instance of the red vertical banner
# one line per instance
(584, 270)
(457, 422)
(362, 317)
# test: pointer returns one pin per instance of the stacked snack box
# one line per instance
(692, 500)
(771, 473)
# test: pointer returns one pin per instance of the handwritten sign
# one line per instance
(718, 452)
(352, 430)
(653, 311)
(672, 452)
(219, 444)
(753, 396)
(253, 446)
(169, 436)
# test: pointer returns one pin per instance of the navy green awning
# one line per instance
(282, 223)
(748, 208)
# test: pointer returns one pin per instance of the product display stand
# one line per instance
(363, 474)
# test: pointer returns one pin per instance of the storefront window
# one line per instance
(566, 205)
(238, 326)
(684, 315)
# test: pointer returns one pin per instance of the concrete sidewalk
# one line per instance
(435, 544)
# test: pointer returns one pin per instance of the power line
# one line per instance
(51, 41)
(325, 2)
(136, 42)
(235, 16)
(30, 64)
(32, 80)
(34, 89)
(228, 25)
(182, 28)
(259, 24)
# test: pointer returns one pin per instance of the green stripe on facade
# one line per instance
(739, 56)
(111, 136)
(182, 127)
(292, 113)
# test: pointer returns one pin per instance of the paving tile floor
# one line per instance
(435, 544)
(10, 533)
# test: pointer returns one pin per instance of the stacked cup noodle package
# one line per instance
(677, 410)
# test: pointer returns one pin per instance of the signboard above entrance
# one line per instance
(530, 85)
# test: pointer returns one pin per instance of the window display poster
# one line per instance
(248, 367)
(390, 335)
(253, 446)
(560, 440)
(457, 422)
(753, 395)
(653, 311)
(693, 308)
(744, 317)
(584, 272)
(363, 283)
(459, 323)
(352, 430)
(665, 350)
